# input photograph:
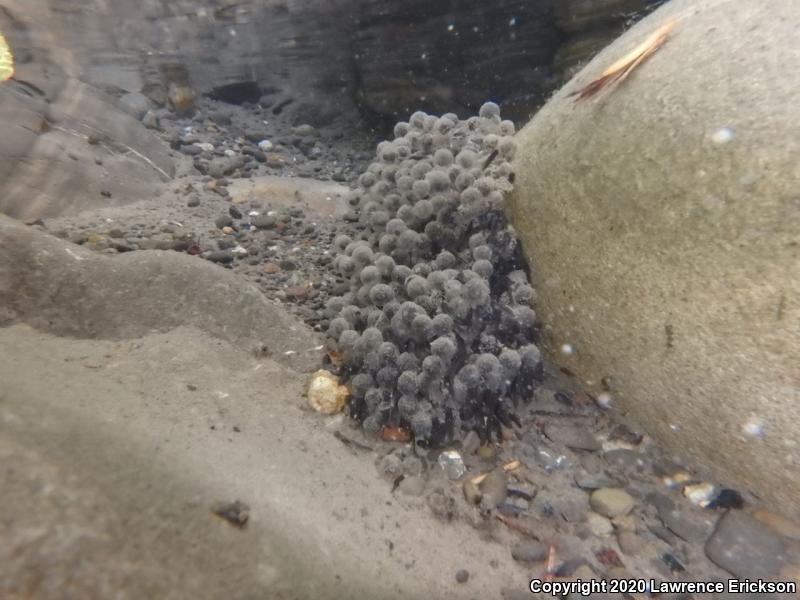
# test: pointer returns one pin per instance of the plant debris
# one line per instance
(617, 72)
(6, 60)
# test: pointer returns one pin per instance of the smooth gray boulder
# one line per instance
(662, 218)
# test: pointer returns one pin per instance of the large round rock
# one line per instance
(663, 220)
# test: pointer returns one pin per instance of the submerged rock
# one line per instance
(665, 248)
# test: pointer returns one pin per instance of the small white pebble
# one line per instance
(451, 27)
(753, 427)
(722, 136)
(253, 213)
(512, 22)
(604, 400)
(289, 352)
(673, 427)
(567, 349)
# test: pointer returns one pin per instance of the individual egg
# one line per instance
(444, 347)
(421, 189)
(444, 260)
(483, 268)
(338, 326)
(482, 252)
(381, 294)
(443, 157)
(407, 362)
(476, 292)
(401, 129)
(423, 210)
(417, 120)
(363, 255)
(489, 110)
(360, 384)
(341, 241)
(416, 286)
(370, 275)
(442, 324)
(348, 340)
(407, 383)
(385, 265)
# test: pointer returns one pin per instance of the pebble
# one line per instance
(271, 268)
(274, 160)
(304, 130)
(193, 201)
(234, 212)
(487, 452)
(745, 547)
(150, 120)
(572, 436)
(122, 246)
(472, 493)
(265, 221)
(599, 525)
(191, 149)
(779, 524)
(594, 481)
(630, 543)
(256, 135)
(628, 461)
(462, 576)
(470, 443)
(223, 221)
(228, 230)
(526, 491)
(573, 510)
(220, 256)
(529, 552)
(297, 292)
(517, 504)
(493, 489)
(219, 167)
(611, 502)
(690, 526)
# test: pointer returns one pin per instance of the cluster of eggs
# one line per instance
(436, 332)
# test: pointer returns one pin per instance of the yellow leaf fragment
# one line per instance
(6, 60)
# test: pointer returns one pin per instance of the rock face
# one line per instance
(68, 290)
(66, 145)
(662, 219)
(442, 56)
